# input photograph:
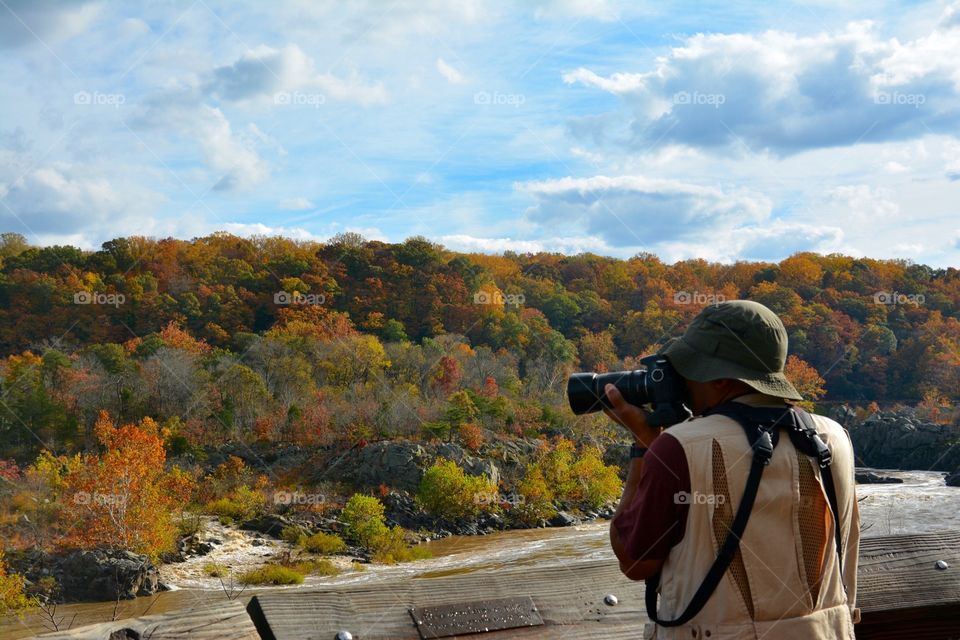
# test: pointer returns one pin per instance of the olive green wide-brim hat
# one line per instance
(737, 339)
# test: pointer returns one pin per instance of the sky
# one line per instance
(725, 131)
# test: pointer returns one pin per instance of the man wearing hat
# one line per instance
(735, 532)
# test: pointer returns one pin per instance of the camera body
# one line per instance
(659, 385)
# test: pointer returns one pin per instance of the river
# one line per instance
(922, 503)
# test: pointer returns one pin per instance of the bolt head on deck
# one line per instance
(344, 635)
(942, 565)
(610, 599)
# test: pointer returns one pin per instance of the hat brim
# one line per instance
(700, 367)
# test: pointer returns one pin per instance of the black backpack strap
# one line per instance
(762, 441)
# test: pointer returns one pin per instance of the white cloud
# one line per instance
(134, 27)
(64, 202)
(25, 22)
(568, 245)
(863, 202)
(781, 92)
(617, 83)
(951, 160)
(263, 72)
(247, 230)
(239, 163)
(603, 10)
(640, 211)
(296, 204)
(450, 73)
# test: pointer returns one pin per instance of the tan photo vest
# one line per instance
(785, 580)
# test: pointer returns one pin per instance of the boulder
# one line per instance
(400, 464)
(96, 575)
(953, 479)
(562, 519)
(270, 524)
(901, 440)
(868, 477)
(397, 464)
(482, 467)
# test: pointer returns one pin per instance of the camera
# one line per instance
(659, 385)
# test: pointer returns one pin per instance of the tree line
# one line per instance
(223, 337)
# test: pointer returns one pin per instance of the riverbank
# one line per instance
(922, 503)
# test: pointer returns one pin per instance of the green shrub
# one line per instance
(241, 505)
(596, 482)
(13, 600)
(215, 570)
(271, 574)
(363, 520)
(322, 567)
(556, 466)
(365, 526)
(536, 502)
(391, 547)
(446, 491)
(323, 543)
(189, 524)
(293, 533)
(439, 430)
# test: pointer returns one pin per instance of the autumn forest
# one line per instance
(137, 362)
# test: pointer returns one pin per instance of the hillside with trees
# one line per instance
(147, 364)
(229, 338)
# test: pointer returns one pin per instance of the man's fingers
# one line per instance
(614, 396)
(610, 414)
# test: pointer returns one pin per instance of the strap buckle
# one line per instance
(763, 447)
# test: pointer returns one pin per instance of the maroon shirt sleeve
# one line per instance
(655, 520)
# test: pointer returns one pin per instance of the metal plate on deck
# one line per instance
(475, 617)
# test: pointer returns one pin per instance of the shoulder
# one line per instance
(702, 427)
(835, 434)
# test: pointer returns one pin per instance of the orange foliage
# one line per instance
(123, 497)
(175, 337)
(471, 436)
(806, 380)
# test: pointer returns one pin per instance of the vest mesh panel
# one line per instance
(813, 522)
(722, 520)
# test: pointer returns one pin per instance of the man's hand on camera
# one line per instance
(630, 416)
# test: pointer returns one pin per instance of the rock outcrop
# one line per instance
(953, 479)
(93, 576)
(400, 464)
(869, 477)
(900, 440)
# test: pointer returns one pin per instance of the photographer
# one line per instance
(786, 571)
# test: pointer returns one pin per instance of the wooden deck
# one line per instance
(901, 594)
(228, 619)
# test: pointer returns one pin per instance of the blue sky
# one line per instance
(717, 130)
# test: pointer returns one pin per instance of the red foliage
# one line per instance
(471, 436)
(9, 470)
(490, 388)
(447, 376)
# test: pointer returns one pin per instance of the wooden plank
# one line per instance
(569, 598)
(900, 592)
(899, 572)
(223, 621)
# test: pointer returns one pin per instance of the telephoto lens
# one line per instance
(658, 385)
(586, 394)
